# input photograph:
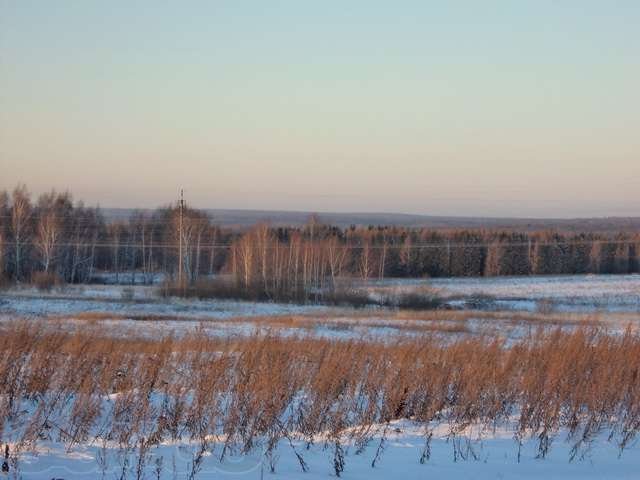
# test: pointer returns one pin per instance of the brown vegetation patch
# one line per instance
(264, 388)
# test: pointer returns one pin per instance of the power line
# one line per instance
(180, 236)
(443, 245)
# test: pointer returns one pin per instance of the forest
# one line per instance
(55, 238)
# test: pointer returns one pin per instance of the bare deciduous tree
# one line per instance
(21, 210)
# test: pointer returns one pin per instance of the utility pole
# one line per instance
(180, 256)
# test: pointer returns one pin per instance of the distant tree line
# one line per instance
(54, 235)
(57, 237)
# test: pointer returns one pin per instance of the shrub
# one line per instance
(127, 294)
(347, 297)
(545, 306)
(213, 288)
(251, 388)
(45, 281)
(417, 301)
(342, 295)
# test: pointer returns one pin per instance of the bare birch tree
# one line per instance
(48, 229)
(21, 211)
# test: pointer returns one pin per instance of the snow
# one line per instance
(579, 293)
(128, 278)
(582, 293)
(124, 310)
(79, 299)
(560, 301)
(495, 458)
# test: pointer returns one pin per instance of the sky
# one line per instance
(492, 108)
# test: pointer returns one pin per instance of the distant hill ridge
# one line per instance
(245, 218)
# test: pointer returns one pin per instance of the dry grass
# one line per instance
(446, 322)
(512, 317)
(94, 317)
(451, 321)
(349, 321)
(259, 390)
(344, 294)
(45, 281)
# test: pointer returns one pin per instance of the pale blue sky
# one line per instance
(519, 108)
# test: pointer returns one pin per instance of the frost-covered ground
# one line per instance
(127, 278)
(123, 309)
(509, 307)
(579, 293)
(493, 457)
(137, 300)
(563, 293)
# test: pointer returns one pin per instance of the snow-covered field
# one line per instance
(491, 458)
(562, 293)
(137, 300)
(580, 293)
(621, 287)
(522, 304)
(509, 307)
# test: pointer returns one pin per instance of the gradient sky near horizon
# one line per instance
(492, 108)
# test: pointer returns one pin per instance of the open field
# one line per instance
(138, 308)
(495, 452)
(578, 293)
(185, 388)
(507, 307)
(81, 402)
